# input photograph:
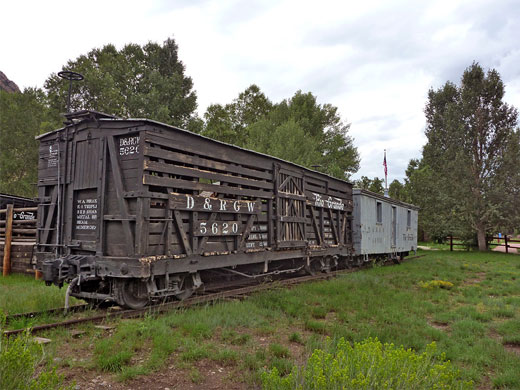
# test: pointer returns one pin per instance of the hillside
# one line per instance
(7, 85)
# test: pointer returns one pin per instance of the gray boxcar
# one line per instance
(383, 226)
(132, 209)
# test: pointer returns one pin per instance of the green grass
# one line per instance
(474, 322)
(22, 293)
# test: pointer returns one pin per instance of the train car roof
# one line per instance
(360, 191)
(88, 115)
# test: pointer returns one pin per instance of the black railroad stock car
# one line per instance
(133, 210)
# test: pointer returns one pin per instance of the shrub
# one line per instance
(19, 361)
(436, 284)
(369, 365)
(279, 350)
(296, 338)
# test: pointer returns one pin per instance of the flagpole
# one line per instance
(386, 173)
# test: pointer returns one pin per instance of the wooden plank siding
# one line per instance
(20, 241)
(126, 187)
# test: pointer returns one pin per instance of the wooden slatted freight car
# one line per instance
(132, 210)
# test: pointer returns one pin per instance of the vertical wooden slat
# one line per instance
(194, 217)
(278, 204)
(246, 232)
(182, 232)
(317, 229)
(332, 225)
(8, 239)
(118, 184)
(101, 182)
(50, 216)
(142, 225)
(270, 224)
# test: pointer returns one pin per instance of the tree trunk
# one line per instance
(481, 236)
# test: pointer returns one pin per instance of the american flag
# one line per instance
(384, 164)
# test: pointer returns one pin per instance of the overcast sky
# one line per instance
(374, 60)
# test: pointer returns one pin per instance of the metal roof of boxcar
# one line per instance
(109, 118)
(361, 191)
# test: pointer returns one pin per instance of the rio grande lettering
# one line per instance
(329, 202)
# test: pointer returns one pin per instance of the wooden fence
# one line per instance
(17, 239)
(505, 239)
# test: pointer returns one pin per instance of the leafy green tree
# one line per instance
(374, 185)
(396, 190)
(230, 123)
(472, 151)
(23, 116)
(377, 186)
(363, 183)
(421, 190)
(139, 82)
(286, 141)
(297, 129)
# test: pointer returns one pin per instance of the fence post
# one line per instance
(451, 243)
(8, 239)
(505, 241)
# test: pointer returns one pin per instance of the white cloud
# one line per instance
(374, 60)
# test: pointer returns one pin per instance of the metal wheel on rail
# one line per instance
(318, 265)
(133, 293)
(187, 284)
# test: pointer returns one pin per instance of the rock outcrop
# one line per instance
(7, 85)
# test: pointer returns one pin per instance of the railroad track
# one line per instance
(235, 293)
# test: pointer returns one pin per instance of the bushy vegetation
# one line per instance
(369, 365)
(20, 361)
(436, 284)
(473, 323)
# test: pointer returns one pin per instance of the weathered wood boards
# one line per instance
(130, 189)
(17, 238)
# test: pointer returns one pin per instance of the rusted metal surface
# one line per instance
(59, 310)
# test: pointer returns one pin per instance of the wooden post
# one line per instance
(8, 239)
(451, 243)
(505, 241)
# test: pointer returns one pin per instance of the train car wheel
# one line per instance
(133, 294)
(186, 287)
(317, 266)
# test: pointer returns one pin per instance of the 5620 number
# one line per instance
(218, 228)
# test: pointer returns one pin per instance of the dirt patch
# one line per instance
(440, 325)
(492, 333)
(485, 383)
(513, 248)
(205, 374)
(479, 277)
(512, 347)
(74, 355)
(426, 248)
